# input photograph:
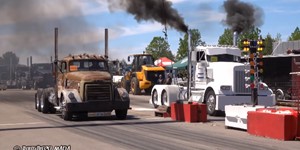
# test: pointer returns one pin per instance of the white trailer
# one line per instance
(217, 79)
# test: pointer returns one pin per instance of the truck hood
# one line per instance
(89, 75)
(223, 72)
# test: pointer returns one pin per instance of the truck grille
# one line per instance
(97, 92)
(239, 82)
(153, 75)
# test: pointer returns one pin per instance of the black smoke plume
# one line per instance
(158, 10)
(242, 16)
(27, 29)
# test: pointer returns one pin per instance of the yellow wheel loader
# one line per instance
(142, 75)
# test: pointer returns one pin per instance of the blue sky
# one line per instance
(26, 26)
(127, 36)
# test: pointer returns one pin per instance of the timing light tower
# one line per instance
(253, 55)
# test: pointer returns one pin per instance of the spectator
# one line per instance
(169, 79)
(160, 79)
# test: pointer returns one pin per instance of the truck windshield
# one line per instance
(88, 65)
(223, 58)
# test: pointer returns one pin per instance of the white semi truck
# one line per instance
(217, 79)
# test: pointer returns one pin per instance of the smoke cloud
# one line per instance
(158, 10)
(27, 29)
(242, 16)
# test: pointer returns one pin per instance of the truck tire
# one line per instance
(279, 95)
(45, 103)
(125, 85)
(121, 114)
(37, 96)
(35, 101)
(164, 98)
(66, 115)
(135, 86)
(38, 100)
(210, 100)
(154, 99)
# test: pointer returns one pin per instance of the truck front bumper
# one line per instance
(97, 106)
(223, 100)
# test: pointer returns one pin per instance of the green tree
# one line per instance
(268, 45)
(295, 35)
(183, 43)
(9, 58)
(226, 38)
(159, 47)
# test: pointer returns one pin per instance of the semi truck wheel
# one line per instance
(135, 86)
(66, 115)
(164, 98)
(154, 99)
(45, 103)
(121, 114)
(210, 100)
(38, 100)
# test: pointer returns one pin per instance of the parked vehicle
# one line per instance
(83, 86)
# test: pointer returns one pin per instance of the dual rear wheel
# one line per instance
(155, 101)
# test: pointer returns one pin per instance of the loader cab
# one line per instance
(140, 60)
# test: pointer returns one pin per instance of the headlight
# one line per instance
(78, 87)
(225, 87)
(71, 96)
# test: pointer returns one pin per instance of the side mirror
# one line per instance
(128, 59)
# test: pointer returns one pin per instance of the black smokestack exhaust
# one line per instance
(235, 38)
(242, 16)
(151, 10)
(55, 69)
(106, 43)
(30, 61)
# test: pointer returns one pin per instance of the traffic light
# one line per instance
(253, 48)
(260, 45)
(246, 45)
(260, 59)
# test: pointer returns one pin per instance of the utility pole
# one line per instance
(10, 70)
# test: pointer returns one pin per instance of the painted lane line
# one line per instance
(16, 124)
